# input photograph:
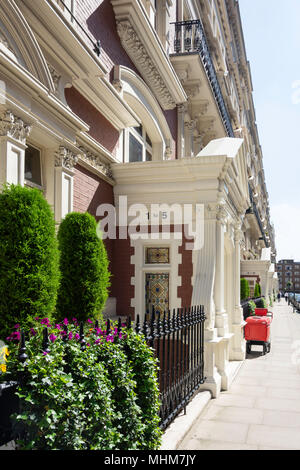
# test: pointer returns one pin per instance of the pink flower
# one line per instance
(77, 336)
(52, 338)
(65, 322)
(45, 353)
(58, 326)
(70, 335)
(89, 321)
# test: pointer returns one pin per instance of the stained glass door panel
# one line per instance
(157, 292)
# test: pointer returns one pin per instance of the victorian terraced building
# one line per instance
(152, 100)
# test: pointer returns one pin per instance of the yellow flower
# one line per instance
(2, 367)
(3, 354)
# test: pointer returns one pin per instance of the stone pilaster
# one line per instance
(13, 134)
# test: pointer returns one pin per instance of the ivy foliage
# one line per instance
(84, 271)
(29, 273)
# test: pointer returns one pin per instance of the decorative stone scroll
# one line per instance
(139, 55)
(94, 160)
(13, 126)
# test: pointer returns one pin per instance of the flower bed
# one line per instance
(83, 387)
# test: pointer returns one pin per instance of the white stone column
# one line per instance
(181, 110)
(65, 160)
(237, 351)
(219, 288)
(204, 271)
(189, 128)
(13, 134)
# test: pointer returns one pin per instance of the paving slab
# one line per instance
(261, 410)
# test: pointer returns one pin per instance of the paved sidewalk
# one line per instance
(261, 411)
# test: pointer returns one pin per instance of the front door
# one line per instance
(157, 292)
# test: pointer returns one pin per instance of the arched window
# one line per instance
(137, 145)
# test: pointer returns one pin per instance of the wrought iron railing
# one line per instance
(178, 341)
(189, 37)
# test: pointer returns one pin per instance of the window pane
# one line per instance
(33, 165)
(148, 140)
(157, 255)
(139, 129)
(148, 156)
(135, 149)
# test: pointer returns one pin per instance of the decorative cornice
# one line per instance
(65, 158)
(94, 161)
(13, 126)
(134, 47)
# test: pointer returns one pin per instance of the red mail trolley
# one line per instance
(258, 330)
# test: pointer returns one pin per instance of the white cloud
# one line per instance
(286, 219)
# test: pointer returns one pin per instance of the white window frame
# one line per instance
(31, 183)
(141, 139)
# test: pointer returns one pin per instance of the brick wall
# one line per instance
(97, 16)
(100, 128)
(89, 192)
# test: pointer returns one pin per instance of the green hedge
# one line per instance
(29, 272)
(257, 290)
(105, 397)
(84, 268)
(245, 289)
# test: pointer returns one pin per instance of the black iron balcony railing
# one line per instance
(190, 38)
(253, 209)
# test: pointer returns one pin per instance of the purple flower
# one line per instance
(70, 335)
(58, 326)
(32, 331)
(98, 341)
(110, 338)
(52, 338)
(45, 353)
(74, 320)
(65, 322)
(45, 321)
(17, 326)
(14, 336)
(77, 336)
(89, 321)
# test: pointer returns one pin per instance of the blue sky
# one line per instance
(272, 37)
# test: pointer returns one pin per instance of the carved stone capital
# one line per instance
(94, 161)
(13, 126)
(221, 213)
(65, 158)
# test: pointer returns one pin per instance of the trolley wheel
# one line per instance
(269, 347)
(265, 349)
(248, 348)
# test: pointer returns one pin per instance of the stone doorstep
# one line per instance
(179, 428)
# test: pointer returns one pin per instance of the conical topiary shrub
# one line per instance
(84, 269)
(245, 289)
(257, 290)
(29, 272)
